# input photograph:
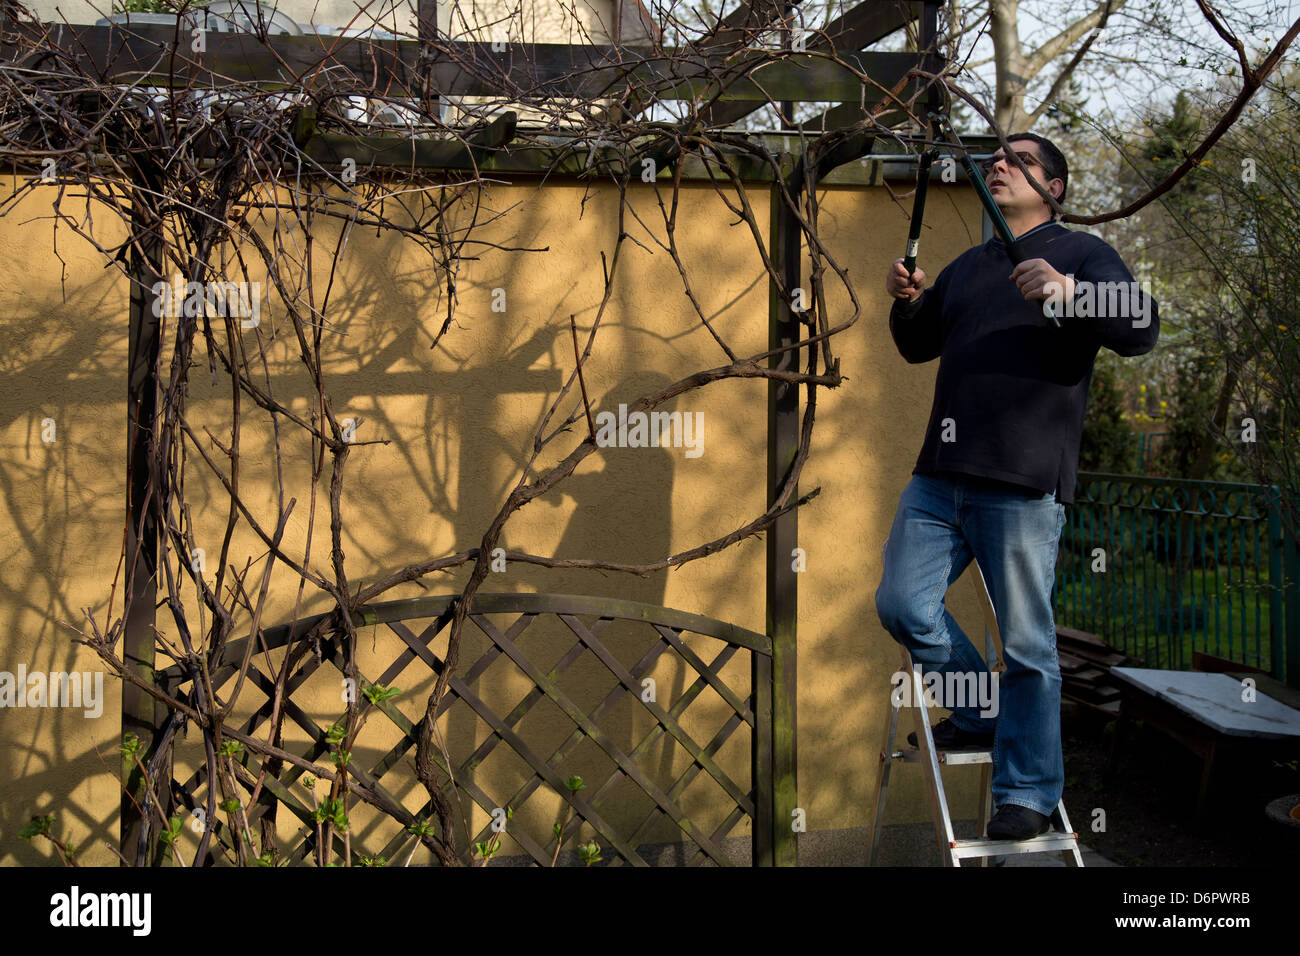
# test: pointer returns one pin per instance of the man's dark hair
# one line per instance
(1053, 160)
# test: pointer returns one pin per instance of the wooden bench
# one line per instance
(1205, 712)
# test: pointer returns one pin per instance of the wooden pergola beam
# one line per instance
(867, 23)
(747, 19)
(536, 71)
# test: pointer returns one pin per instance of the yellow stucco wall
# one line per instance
(456, 422)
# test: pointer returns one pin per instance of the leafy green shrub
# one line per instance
(1109, 443)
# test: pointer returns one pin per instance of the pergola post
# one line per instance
(783, 536)
(140, 715)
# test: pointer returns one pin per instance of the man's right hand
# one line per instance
(901, 286)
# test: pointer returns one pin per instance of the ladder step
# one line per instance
(952, 758)
(1046, 843)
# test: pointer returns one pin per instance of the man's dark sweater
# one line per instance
(1012, 389)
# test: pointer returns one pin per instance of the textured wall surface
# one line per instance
(452, 427)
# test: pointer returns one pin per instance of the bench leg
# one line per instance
(1112, 765)
(1207, 772)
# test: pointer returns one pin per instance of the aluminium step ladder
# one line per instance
(1061, 838)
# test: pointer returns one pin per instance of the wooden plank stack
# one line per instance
(1086, 661)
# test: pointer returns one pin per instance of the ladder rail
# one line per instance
(930, 758)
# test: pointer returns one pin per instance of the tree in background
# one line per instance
(1109, 443)
(1227, 241)
(1224, 246)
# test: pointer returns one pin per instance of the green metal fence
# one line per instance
(1162, 567)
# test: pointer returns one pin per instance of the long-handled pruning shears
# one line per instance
(1014, 251)
(918, 209)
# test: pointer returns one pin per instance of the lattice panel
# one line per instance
(549, 687)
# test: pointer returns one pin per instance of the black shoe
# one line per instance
(1014, 822)
(948, 736)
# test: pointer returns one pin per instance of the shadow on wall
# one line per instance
(61, 504)
(454, 425)
(621, 513)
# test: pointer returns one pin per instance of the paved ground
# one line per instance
(909, 844)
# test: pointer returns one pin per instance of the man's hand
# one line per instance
(1033, 277)
(902, 286)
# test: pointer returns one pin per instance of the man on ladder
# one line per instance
(1000, 461)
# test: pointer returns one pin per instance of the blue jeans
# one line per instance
(941, 524)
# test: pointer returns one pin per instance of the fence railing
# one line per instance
(1163, 567)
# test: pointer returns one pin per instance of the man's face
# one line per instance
(1007, 183)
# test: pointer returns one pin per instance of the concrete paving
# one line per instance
(907, 844)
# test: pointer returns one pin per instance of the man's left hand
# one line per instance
(1033, 277)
